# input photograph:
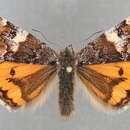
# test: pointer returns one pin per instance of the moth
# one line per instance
(27, 66)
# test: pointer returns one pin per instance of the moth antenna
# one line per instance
(45, 38)
(93, 34)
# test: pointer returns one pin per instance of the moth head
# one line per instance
(66, 59)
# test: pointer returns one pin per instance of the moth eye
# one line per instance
(81, 63)
(53, 62)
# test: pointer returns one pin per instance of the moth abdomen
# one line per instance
(66, 100)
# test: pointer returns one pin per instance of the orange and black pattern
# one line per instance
(27, 67)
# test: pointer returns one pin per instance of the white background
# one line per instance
(64, 22)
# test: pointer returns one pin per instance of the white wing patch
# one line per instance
(112, 36)
(128, 21)
(21, 36)
(3, 22)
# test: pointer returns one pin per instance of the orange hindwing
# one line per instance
(20, 83)
(108, 82)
